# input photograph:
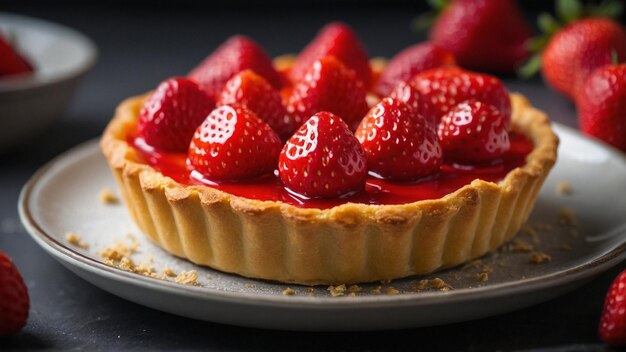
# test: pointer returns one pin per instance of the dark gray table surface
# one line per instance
(140, 46)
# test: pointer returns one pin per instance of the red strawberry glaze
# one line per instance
(377, 191)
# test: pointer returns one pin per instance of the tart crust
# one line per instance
(349, 243)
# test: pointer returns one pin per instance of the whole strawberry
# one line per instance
(612, 327)
(473, 132)
(14, 301)
(233, 144)
(400, 144)
(323, 159)
(483, 35)
(602, 105)
(11, 62)
(434, 92)
(238, 53)
(328, 86)
(253, 91)
(411, 61)
(338, 40)
(172, 113)
(578, 49)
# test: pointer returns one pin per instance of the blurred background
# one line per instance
(142, 42)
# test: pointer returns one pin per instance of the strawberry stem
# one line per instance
(531, 67)
(426, 20)
(608, 8)
(438, 5)
(548, 24)
(569, 11)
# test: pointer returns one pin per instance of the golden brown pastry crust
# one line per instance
(349, 243)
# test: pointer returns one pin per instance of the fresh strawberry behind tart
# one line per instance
(445, 170)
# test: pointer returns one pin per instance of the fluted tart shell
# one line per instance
(349, 243)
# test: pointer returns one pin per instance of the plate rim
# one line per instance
(71, 256)
(23, 83)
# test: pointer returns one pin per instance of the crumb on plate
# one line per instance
(564, 188)
(75, 240)
(169, 272)
(538, 258)
(187, 278)
(391, 291)
(107, 196)
(337, 291)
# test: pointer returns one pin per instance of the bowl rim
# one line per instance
(20, 83)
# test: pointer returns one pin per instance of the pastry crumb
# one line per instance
(420, 286)
(567, 217)
(520, 246)
(75, 240)
(482, 277)
(337, 291)
(310, 291)
(126, 263)
(530, 232)
(355, 288)
(473, 264)
(385, 282)
(289, 291)
(169, 272)
(564, 188)
(146, 269)
(486, 268)
(120, 250)
(391, 291)
(250, 285)
(107, 196)
(352, 294)
(437, 283)
(538, 258)
(187, 278)
(376, 290)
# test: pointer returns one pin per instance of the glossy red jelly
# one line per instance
(269, 187)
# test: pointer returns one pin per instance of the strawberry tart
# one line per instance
(299, 170)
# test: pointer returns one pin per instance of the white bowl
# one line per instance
(61, 56)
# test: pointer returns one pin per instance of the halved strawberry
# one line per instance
(233, 144)
(11, 62)
(171, 114)
(473, 132)
(329, 86)
(253, 91)
(435, 92)
(338, 40)
(323, 159)
(14, 300)
(400, 144)
(233, 56)
(411, 61)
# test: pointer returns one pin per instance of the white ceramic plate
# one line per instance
(60, 55)
(62, 197)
